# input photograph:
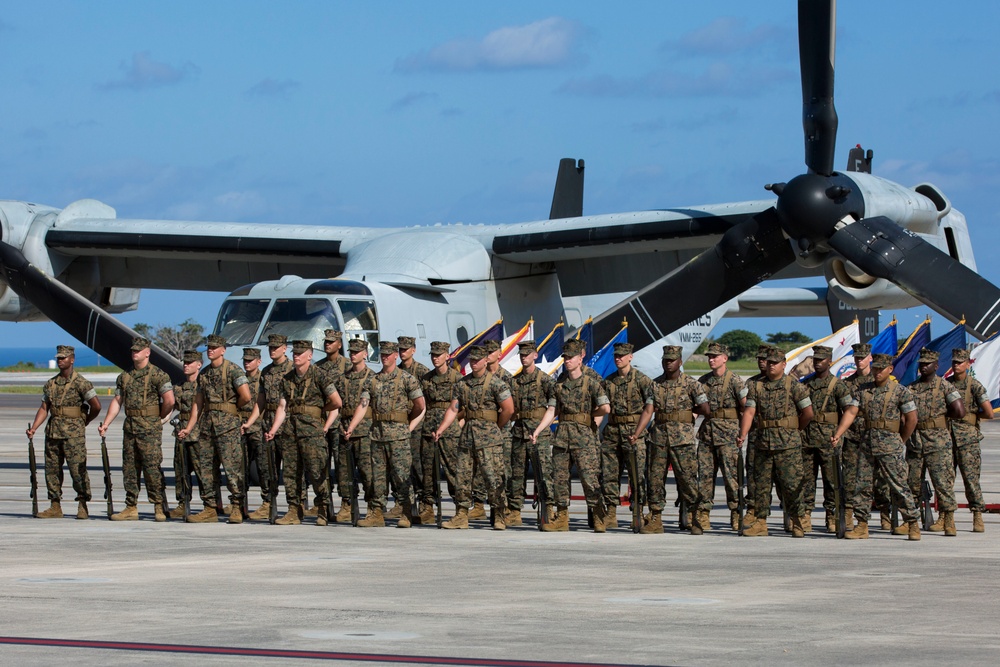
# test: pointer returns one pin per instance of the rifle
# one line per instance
(437, 483)
(245, 502)
(355, 509)
(636, 483)
(839, 493)
(741, 501)
(925, 498)
(107, 475)
(32, 466)
(541, 501)
(272, 489)
(182, 477)
(683, 519)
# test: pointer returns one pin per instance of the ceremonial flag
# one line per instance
(799, 361)
(985, 367)
(459, 359)
(509, 357)
(551, 346)
(905, 365)
(946, 343)
(603, 360)
(887, 341)
(586, 334)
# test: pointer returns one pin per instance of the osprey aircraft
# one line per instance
(671, 273)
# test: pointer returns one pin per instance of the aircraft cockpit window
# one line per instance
(361, 321)
(239, 320)
(300, 319)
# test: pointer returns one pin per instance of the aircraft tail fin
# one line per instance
(567, 199)
(859, 160)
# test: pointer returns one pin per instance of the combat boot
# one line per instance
(885, 520)
(750, 518)
(207, 515)
(395, 512)
(322, 515)
(159, 515)
(859, 532)
(130, 513)
(949, 523)
(610, 516)
(478, 511)
(53, 512)
(458, 522)
(798, 530)
(427, 514)
(653, 525)
(177, 512)
(914, 530)
(902, 529)
(374, 519)
(600, 514)
(937, 526)
(695, 522)
(344, 514)
(560, 523)
(513, 518)
(236, 515)
(81, 510)
(404, 515)
(758, 529)
(291, 517)
(848, 518)
(498, 521)
(806, 523)
(734, 519)
(262, 513)
(831, 522)
(977, 522)
(704, 519)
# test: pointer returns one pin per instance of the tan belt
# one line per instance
(537, 413)
(310, 410)
(679, 416)
(623, 420)
(74, 411)
(439, 405)
(582, 418)
(483, 415)
(883, 424)
(970, 418)
(350, 411)
(936, 422)
(725, 413)
(398, 417)
(271, 407)
(229, 408)
(148, 411)
(785, 422)
(826, 418)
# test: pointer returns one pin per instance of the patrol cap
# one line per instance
(191, 355)
(774, 354)
(671, 352)
(717, 348)
(477, 352)
(332, 335)
(762, 351)
(861, 349)
(387, 347)
(622, 349)
(139, 343)
(491, 346)
(406, 342)
(526, 347)
(357, 345)
(822, 352)
(250, 353)
(277, 340)
(573, 347)
(214, 340)
(881, 360)
(439, 347)
(927, 355)
(959, 354)
(63, 351)
(299, 346)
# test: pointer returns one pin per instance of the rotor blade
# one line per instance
(817, 46)
(881, 248)
(748, 253)
(91, 325)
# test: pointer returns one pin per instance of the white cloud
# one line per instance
(144, 72)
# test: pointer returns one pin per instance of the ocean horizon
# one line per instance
(40, 356)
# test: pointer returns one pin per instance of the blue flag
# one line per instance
(586, 334)
(460, 358)
(905, 365)
(887, 341)
(551, 347)
(603, 360)
(945, 344)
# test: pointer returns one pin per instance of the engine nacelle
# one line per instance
(858, 289)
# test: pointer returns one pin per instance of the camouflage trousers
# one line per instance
(203, 461)
(362, 446)
(72, 451)
(783, 468)
(256, 450)
(748, 469)
(684, 461)
(392, 460)
(941, 466)
(142, 454)
(968, 459)
(615, 454)
(713, 459)
(224, 448)
(522, 452)
(893, 471)
(489, 460)
(588, 467)
(339, 449)
(447, 445)
(479, 487)
(850, 453)
(305, 454)
(816, 460)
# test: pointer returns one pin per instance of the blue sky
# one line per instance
(388, 114)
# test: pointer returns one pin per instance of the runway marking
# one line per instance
(298, 654)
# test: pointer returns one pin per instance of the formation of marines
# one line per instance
(337, 423)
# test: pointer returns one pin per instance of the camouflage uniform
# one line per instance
(219, 424)
(439, 389)
(930, 446)
(184, 396)
(854, 437)
(532, 393)
(883, 409)
(271, 379)
(479, 493)
(336, 369)
(305, 448)
(672, 439)
(830, 397)
(778, 455)
(417, 477)
(142, 446)
(628, 395)
(966, 436)
(481, 440)
(354, 383)
(575, 440)
(253, 438)
(391, 395)
(65, 436)
(719, 432)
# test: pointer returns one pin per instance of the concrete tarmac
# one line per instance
(97, 592)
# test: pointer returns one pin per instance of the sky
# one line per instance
(397, 114)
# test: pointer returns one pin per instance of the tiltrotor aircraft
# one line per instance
(878, 244)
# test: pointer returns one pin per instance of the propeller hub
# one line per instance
(810, 206)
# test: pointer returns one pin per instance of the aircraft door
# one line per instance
(360, 320)
(461, 327)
